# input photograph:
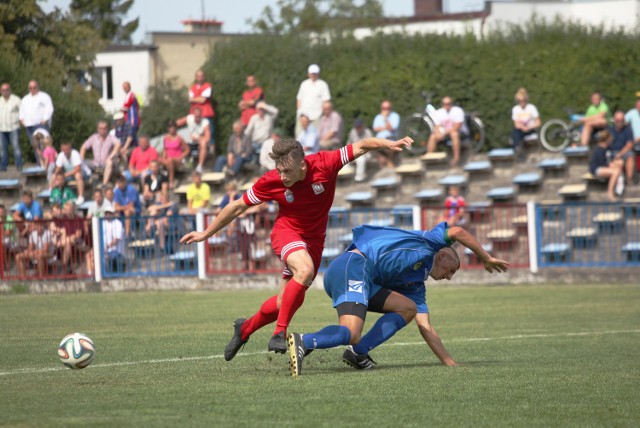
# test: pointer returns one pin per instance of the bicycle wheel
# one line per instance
(476, 134)
(555, 135)
(419, 128)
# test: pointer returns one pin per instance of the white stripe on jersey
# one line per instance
(252, 197)
(344, 155)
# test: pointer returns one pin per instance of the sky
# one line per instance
(165, 15)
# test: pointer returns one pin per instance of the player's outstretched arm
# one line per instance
(369, 144)
(430, 335)
(459, 234)
(226, 216)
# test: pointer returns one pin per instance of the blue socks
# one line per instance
(329, 337)
(386, 326)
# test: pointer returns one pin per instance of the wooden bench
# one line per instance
(631, 207)
(346, 173)
(472, 259)
(435, 161)
(573, 192)
(611, 222)
(143, 248)
(501, 194)
(503, 238)
(583, 237)
(184, 260)
(410, 173)
(632, 251)
(556, 252)
(521, 223)
(596, 182)
(215, 180)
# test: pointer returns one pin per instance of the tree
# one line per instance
(166, 102)
(310, 16)
(107, 17)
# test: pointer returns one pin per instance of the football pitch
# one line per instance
(530, 355)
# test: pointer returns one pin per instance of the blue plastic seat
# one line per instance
(527, 179)
(552, 163)
(503, 153)
(428, 194)
(385, 182)
(453, 180)
(478, 166)
(9, 183)
(359, 197)
(501, 193)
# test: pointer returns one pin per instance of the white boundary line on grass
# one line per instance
(213, 357)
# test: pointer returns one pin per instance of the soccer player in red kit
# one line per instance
(304, 188)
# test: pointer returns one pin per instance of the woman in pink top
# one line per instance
(175, 151)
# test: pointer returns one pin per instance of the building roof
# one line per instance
(201, 22)
(129, 48)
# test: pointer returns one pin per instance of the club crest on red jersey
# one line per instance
(317, 188)
(288, 195)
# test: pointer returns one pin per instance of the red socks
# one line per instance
(292, 299)
(267, 314)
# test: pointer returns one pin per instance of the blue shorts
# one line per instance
(345, 280)
(416, 292)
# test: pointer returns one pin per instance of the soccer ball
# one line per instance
(76, 351)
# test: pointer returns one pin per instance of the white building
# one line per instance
(429, 16)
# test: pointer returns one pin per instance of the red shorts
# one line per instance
(285, 241)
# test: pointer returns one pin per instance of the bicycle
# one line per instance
(421, 124)
(556, 134)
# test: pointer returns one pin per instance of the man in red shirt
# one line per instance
(140, 159)
(200, 95)
(304, 188)
(250, 98)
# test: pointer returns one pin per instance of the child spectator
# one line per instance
(455, 204)
(603, 165)
(48, 158)
(61, 193)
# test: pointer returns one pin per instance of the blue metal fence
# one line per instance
(588, 235)
(148, 246)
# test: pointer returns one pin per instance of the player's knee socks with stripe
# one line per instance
(267, 314)
(292, 299)
(386, 326)
(329, 337)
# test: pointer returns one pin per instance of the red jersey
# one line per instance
(203, 90)
(303, 207)
(254, 94)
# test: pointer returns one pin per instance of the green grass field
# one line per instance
(532, 356)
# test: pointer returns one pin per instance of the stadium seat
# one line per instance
(631, 207)
(143, 248)
(632, 251)
(504, 154)
(478, 167)
(472, 259)
(553, 167)
(573, 191)
(10, 186)
(556, 252)
(429, 196)
(610, 222)
(338, 217)
(479, 212)
(434, 158)
(184, 260)
(576, 155)
(345, 239)
(402, 215)
(386, 186)
(599, 183)
(346, 173)
(503, 239)
(182, 193)
(34, 175)
(527, 181)
(521, 223)
(359, 199)
(44, 197)
(328, 255)
(215, 180)
(453, 180)
(552, 210)
(583, 237)
(501, 194)
(380, 222)
(410, 173)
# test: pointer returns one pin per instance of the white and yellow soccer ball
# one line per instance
(76, 351)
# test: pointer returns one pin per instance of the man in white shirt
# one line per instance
(99, 205)
(312, 93)
(449, 121)
(199, 134)
(261, 125)
(36, 111)
(71, 165)
(9, 127)
(113, 240)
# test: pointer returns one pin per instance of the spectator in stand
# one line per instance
(198, 194)
(526, 119)
(199, 133)
(105, 149)
(109, 195)
(385, 125)
(131, 109)
(449, 121)
(622, 145)
(603, 165)
(40, 137)
(67, 232)
(36, 111)
(175, 152)
(357, 133)
(239, 151)
(98, 205)
(454, 204)
(595, 119)
(113, 239)
(250, 98)
(160, 211)
(61, 193)
(70, 163)
(308, 136)
(127, 201)
(261, 124)
(633, 119)
(39, 250)
(49, 154)
(140, 160)
(9, 127)
(312, 93)
(124, 133)
(230, 194)
(200, 96)
(330, 128)
(265, 160)
(28, 209)
(154, 183)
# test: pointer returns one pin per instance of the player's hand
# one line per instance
(493, 264)
(398, 145)
(193, 237)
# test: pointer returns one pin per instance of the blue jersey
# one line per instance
(398, 258)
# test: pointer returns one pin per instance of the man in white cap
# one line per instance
(312, 93)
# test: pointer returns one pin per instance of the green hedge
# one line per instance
(559, 63)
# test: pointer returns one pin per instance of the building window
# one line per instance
(102, 81)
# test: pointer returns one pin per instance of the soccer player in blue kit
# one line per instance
(384, 270)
